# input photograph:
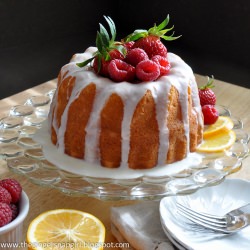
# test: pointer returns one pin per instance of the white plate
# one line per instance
(83, 168)
(219, 199)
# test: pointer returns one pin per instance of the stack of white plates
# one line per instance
(219, 200)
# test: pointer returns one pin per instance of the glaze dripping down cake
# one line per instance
(135, 105)
(136, 125)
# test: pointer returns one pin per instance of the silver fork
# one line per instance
(231, 222)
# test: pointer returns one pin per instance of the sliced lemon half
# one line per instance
(65, 229)
(223, 123)
(217, 143)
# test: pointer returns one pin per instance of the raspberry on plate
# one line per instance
(147, 70)
(206, 94)
(5, 214)
(210, 114)
(135, 56)
(121, 71)
(14, 188)
(5, 196)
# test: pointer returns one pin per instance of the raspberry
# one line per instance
(147, 70)
(13, 187)
(116, 54)
(135, 56)
(5, 214)
(163, 63)
(129, 45)
(5, 196)
(210, 114)
(103, 67)
(121, 71)
(14, 210)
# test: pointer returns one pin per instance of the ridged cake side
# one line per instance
(122, 124)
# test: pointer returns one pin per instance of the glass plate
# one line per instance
(25, 156)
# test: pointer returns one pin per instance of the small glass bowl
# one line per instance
(12, 233)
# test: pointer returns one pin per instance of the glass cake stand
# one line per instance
(25, 156)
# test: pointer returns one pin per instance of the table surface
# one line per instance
(42, 198)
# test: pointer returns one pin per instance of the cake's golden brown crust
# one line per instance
(78, 116)
(195, 129)
(64, 91)
(144, 134)
(110, 132)
(177, 149)
(70, 118)
(144, 131)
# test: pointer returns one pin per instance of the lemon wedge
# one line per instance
(65, 229)
(223, 123)
(217, 143)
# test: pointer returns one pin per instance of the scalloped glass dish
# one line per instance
(24, 144)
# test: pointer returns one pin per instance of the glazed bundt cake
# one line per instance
(137, 124)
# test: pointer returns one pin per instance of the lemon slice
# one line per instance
(222, 124)
(218, 142)
(65, 229)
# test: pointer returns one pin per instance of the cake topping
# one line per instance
(147, 70)
(108, 49)
(121, 71)
(121, 60)
(135, 56)
(149, 40)
(163, 63)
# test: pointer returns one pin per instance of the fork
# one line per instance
(231, 222)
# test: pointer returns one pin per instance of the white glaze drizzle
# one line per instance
(180, 76)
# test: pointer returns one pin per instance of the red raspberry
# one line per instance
(129, 45)
(210, 114)
(163, 63)
(121, 71)
(135, 56)
(5, 195)
(13, 187)
(14, 210)
(147, 70)
(152, 45)
(103, 67)
(5, 214)
(114, 54)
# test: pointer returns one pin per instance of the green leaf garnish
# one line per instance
(105, 42)
(156, 30)
(111, 27)
(209, 84)
(83, 64)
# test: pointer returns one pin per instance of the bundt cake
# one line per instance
(123, 124)
(116, 122)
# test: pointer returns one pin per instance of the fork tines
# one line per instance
(207, 220)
